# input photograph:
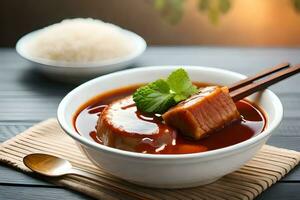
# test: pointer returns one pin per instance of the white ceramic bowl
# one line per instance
(66, 71)
(167, 171)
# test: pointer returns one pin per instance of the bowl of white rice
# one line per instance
(80, 48)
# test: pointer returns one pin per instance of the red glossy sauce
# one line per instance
(252, 123)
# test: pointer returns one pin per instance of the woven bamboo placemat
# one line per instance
(268, 166)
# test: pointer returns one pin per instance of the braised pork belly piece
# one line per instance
(206, 111)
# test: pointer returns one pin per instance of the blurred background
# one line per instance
(259, 23)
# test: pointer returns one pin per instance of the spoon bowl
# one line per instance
(47, 165)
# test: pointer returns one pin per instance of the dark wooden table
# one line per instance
(27, 97)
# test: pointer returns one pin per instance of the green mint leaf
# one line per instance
(179, 81)
(160, 85)
(159, 96)
(154, 97)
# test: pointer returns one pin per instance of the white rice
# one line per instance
(80, 40)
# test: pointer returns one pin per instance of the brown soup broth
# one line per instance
(253, 122)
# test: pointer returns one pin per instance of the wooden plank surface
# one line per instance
(281, 191)
(27, 96)
(12, 192)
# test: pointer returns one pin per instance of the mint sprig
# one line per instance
(160, 95)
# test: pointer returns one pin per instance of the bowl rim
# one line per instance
(77, 137)
(22, 51)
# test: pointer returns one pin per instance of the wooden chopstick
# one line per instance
(260, 75)
(264, 83)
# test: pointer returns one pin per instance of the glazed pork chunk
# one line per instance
(122, 126)
(208, 110)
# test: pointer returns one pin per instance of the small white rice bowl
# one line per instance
(80, 40)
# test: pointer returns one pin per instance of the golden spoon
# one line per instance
(49, 165)
(52, 166)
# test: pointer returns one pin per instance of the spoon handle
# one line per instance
(105, 184)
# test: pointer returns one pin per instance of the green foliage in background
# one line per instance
(172, 10)
(214, 8)
(296, 5)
